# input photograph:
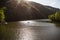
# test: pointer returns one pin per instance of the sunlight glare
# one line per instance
(26, 34)
(29, 0)
(26, 22)
(18, 1)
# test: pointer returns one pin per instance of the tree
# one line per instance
(52, 17)
(2, 15)
(55, 17)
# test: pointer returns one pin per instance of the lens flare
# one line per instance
(20, 1)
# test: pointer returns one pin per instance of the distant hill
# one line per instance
(27, 11)
(52, 8)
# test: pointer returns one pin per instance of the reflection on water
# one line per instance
(26, 34)
(57, 24)
(30, 30)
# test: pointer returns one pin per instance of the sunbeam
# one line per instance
(28, 5)
(20, 1)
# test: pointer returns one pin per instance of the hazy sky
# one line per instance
(54, 3)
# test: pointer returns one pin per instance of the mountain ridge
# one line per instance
(29, 11)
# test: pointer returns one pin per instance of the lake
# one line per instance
(41, 29)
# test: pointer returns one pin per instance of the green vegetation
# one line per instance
(55, 17)
(2, 15)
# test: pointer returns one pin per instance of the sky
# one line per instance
(53, 3)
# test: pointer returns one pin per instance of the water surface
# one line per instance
(30, 30)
